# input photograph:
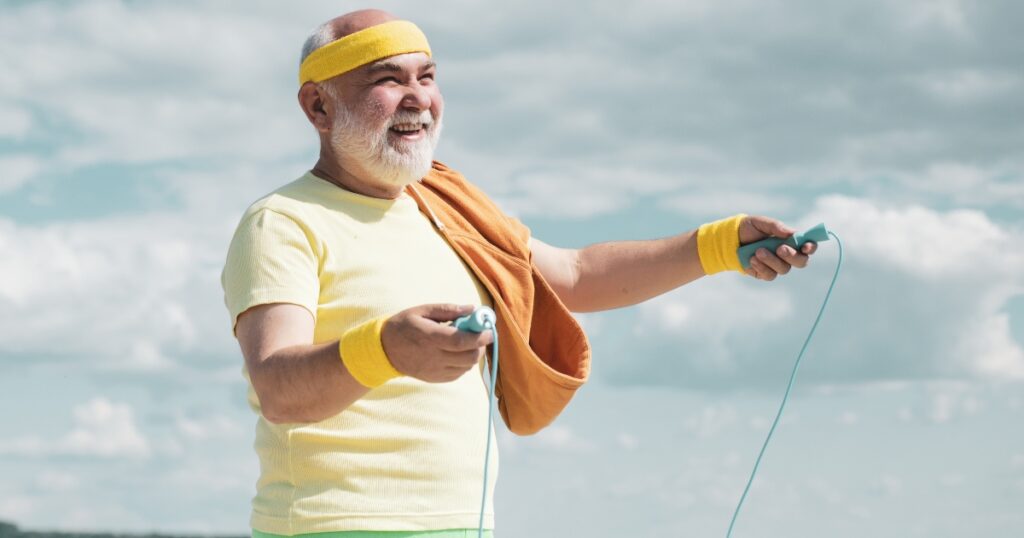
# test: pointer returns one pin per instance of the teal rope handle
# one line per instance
(490, 419)
(792, 378)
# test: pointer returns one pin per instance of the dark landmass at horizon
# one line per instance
(10, 530)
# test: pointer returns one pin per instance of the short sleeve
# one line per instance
(270, 260)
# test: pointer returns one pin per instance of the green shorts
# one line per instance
(448, 533)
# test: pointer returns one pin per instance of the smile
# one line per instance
(408, 131)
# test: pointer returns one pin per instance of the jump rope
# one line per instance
(483, 319)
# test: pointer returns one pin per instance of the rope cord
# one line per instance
(792, 378)
(490, 418)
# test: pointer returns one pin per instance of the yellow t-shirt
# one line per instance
(408, 455)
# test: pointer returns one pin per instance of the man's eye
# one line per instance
(387, 79)
(429, 76)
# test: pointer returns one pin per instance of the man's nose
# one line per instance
(416, 97)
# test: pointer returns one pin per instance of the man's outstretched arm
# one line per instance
(623, 273)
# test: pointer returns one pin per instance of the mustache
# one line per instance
(406, 116)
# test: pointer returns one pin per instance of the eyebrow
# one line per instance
(392, 67)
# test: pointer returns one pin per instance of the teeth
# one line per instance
(407, 127)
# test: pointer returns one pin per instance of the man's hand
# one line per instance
(765, 264)
(419, 345)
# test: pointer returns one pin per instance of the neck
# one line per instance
(351, 177)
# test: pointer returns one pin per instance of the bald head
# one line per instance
(342, 26)
(351, 23)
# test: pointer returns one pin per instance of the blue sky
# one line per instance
(133, 135)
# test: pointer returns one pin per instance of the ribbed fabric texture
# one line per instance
(717, 243)
(409, 455)
(363, 354)
(362, 47)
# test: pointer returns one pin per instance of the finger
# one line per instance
(464, 360)
(772, 227)
(459, 341)
(754, 268)
(763, 271)
(809, 248)
(444, 336)
(449, 374)
(769, 258)
(791, 256)
(444, 312)
(455, 372)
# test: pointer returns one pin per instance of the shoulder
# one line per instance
(294, 200)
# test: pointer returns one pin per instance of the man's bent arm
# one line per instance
(295, 380)
(619, 273)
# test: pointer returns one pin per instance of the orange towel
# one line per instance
(545, 355)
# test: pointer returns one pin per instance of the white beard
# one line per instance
(395, 164)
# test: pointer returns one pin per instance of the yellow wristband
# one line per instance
(363, 354)
(717, 243)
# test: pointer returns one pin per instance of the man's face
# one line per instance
(388, 118)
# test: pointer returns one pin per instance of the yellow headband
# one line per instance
(362, 47)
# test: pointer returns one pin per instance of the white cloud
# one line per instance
(952, 400)
(556, 438)
(146, 289)
(714, 304)
(994, 350)
(959, 183)
(921, 295)
(719, 203)
(969, 85)
(938, 252)
(205, 428)
(14, 507)
(105, 428)
(952, 479)
(16, 170)
(78, 517)
(101, 429)
(925, 15)
(762, 423)
(572, 191)
(627, 441)
(563, 439)
(942, 407)
(233, 478)
(890, 485)
(190, 127)
(920, 241)
(821, 489)
(710, 421)
(14, 122)
(57, 481)
(110, 77)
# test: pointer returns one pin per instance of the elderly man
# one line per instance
(340, 285)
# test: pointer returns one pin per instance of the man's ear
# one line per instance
(313, 101)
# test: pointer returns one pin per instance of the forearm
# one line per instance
(623, 273)
(306, 383)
